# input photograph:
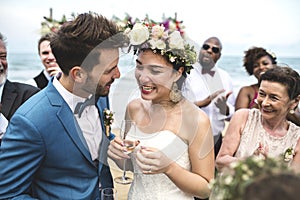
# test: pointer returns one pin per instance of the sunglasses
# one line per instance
(214, 49)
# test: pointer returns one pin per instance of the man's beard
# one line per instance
(3, 77)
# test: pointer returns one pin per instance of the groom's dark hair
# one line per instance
(75, 40)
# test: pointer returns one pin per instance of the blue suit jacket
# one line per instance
(43, 154)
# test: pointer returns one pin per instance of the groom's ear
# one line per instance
(77, 74)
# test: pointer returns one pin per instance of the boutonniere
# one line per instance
(288, 154)
(108, 120)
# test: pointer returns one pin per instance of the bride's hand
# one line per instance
(116, 149)
(152, 161)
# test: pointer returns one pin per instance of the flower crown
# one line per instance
(232, 182)
(272, 54)
(163, 41)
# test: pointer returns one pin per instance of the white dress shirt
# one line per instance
(89, 122)
(3, 120)
(3, 125)
(198, 86)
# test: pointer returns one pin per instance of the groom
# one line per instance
(55, 147)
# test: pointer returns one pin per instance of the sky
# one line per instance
(240, 24)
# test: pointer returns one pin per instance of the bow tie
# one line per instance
(208, 71)
(82, 105)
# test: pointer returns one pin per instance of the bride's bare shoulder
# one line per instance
(136, 104)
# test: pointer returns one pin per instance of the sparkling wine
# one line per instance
(130, 145)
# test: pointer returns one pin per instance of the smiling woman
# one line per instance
(174, 135)
(265, 131)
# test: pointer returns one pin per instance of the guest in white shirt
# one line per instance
(211, 88)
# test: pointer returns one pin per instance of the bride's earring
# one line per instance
(292, 111)
(175, 94)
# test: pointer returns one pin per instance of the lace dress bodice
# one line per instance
(159, 186)
(254, 133)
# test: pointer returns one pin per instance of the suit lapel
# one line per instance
(73, 130)
(67, 119)
(9, 98)
(103, 103)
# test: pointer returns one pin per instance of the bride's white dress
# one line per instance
(159, 186)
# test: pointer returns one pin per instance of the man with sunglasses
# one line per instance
(210, 88)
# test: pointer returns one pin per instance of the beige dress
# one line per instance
(254, 133)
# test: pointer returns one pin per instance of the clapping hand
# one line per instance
(221, 103)
(261, 150)
(152, 161)
(209, 99)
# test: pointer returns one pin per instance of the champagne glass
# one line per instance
(127, 134)
(109, 194)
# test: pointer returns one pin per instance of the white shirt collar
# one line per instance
(1, 89)
(69, 97)
(47, 75)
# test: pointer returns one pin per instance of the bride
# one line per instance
(175, 158)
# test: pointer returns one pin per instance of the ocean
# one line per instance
(24, 66)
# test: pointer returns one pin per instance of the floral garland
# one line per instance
(52, 25)
(108, 120)
(169, 23)
(165, 38)
(174, 24)
(231, 183)
(164, 42)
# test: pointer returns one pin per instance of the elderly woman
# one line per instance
(265, 131)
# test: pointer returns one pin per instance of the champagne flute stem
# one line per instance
(124, 170)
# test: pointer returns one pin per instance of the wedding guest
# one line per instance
(265, 131)
(279, 186)
(51, 67)
(54, 147)
(176, 142)
(257, 60)
(210, 88)
(12, 94)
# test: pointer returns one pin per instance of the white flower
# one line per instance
(172, 59)
(157, 31)
(157, 44)
(139, 34)
(289, 154)
(172, 26)
(234, 164)
(244, 167)
(228, 180)
(176, 41)
(245, 177)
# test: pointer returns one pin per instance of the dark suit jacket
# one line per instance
(44, 155)
(14, 95)
(41, 80)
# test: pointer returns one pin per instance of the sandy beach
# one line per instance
(122, 190)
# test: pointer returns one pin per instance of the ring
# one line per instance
(150, 170)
